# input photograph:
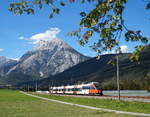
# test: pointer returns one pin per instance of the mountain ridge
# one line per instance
(6, 64)
(46, 59)
(132, 74)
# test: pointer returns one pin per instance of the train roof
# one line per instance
(79, 86)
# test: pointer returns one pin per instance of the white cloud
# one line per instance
(45, 36)
(109, 52)
(1, 49)
(124, 49)
(16, 59)
(22, 38)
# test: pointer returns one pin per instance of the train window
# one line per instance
(79, 89)
(59, 89)
(75, 89)
(86, 87)
(98, 87)
(55, 89)
(91, 87)
(69, 89)
(63, 89)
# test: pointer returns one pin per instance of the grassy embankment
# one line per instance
(16, 104)
(140, 107)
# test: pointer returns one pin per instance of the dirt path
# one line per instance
(89, 107)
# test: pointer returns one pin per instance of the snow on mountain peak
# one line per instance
(42, 45)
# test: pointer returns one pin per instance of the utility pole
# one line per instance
(49, 88)
(118, 51)
(118, 78)
(36, 86)
(28, 87)
(24, 87)
(71, 80)
(52, 83)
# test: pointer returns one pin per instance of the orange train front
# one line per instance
(92, 88)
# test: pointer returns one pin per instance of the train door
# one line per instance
(85, 89)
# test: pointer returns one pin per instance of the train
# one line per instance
(92, 88)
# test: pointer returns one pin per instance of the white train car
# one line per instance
(44, 92)
(84, 89)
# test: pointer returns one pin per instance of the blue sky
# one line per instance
(12, 27)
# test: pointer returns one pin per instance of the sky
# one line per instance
(19, 34)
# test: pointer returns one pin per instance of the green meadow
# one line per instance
(139, 107)
(16, 104)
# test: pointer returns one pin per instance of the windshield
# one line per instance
(97, 86)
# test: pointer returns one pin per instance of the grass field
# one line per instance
(140, 107)
(16, 104)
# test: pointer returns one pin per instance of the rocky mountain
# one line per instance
(62, 65)
(47, 58)
(133, 75)
(6, 64)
